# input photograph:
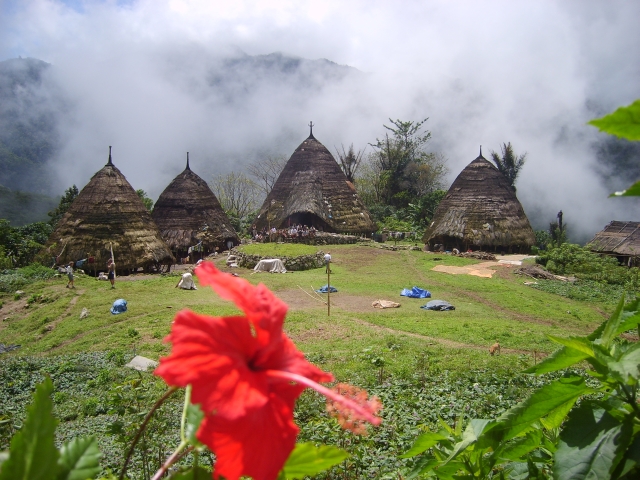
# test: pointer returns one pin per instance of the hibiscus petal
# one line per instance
(213, 354)
(256, 446)
(263, 309)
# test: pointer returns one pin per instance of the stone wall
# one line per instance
(302, 262)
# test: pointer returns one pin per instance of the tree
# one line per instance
(67, 199)
(350, 161)
(407, 169)
(267, 171)
(145, 199)
(238, 196)
(509, 164)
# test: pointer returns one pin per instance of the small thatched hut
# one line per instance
(106, 215)
(312, 190)
(188, 214)
(621, 240)
(481, 212)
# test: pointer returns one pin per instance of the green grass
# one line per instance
(279, 249)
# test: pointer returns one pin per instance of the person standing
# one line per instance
(327, 261)
(69, 270)
(111, 272)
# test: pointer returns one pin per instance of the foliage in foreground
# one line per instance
(545, 435)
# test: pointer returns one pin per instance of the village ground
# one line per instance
(424, 365)
(492, 304)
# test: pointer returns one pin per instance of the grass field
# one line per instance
(423, 364)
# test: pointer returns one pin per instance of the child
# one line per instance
(70, 275)
(111, 272)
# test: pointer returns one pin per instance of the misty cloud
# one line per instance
(156, 79)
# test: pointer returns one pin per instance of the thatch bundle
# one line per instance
(187, 213)
(620, 239)
(106, 215)
(312, 190)
(481, 212)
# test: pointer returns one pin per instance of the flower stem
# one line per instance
(183, 420)
(175, 456)
(146, 420)
(327, 392)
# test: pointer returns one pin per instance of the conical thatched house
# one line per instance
(188, 214)
(312, 190)
(481, 212)
(106, 215)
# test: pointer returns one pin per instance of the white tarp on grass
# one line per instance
(271, 265)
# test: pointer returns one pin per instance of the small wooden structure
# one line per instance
(621, 240)
(480, 212)
(312, 190)
(188, 214)
(108, 216)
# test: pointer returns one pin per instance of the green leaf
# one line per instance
(79, 459)
(632, 191)
(591, 444)
(194, 418)
(471, 433)
(623, 123)
(423, 443)
(519, 447)
(630, 316)
(563, 358)
(627, 368)
(581, 344)
(631, 459)
(539, 404)
(33, 455)
(611, 326)
(423, 466)
(308, 460)
(557, 415)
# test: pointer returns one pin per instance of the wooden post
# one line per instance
(113, 260)
(329, 288)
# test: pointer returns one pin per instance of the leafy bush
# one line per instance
(572, 259)
(12, 280)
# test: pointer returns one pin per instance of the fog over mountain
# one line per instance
(233, 81)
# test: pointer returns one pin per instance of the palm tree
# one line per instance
(510, 164)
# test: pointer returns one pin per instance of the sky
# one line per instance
(484, 72)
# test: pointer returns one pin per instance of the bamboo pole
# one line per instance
(113, 260)
(328, 288)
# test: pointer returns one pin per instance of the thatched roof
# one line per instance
(312, 190)
(481, 211)
(618, 238)
(188, 212)
(107, 214)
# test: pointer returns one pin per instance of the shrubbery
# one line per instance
(12, 280)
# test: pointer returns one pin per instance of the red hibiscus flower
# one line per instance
(246, 375)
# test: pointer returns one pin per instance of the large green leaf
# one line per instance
(33, 455)
(469, 436)
(423, 443)
(556, 416)
(630, 316)
(563, 358)
(308, 460)
(79, 459)
(632, 191)
(627, 368)
(623, 123)
(611, 327)
(629, 466)
(539, 404)
(591, 444)
(520, 446)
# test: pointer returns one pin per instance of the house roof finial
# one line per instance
(187, 162)
(481, 151)
(109, 162)
(311, 130)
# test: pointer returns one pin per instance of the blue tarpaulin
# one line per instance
(119, 306)
(415, 292)
(438, 305)
(325, 289)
